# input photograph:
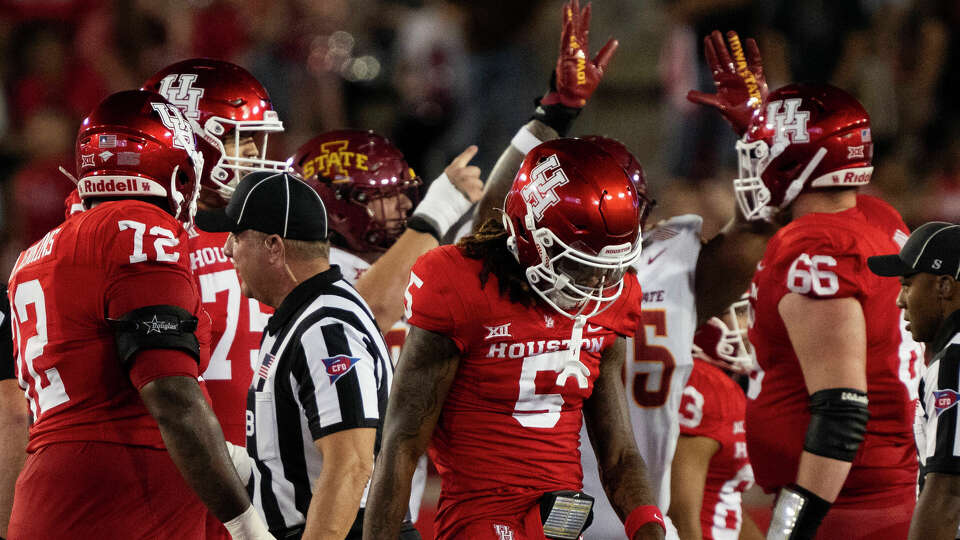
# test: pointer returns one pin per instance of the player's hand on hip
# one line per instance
(466, 177)
(577, 76)
(741, 85)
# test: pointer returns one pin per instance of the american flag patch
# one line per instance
(865, 135)
(107, 141)
(265, 366)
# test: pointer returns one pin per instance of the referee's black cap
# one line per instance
(272, 203)
(934, 248)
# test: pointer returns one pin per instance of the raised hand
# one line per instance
(466, 177)
(741, 85)
(576, 76)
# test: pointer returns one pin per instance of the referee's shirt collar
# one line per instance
(300, 295)
(948, 329)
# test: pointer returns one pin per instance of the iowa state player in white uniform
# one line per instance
(369, 191)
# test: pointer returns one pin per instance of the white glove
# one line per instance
(241, 461)
(248, 526)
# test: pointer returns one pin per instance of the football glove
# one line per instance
(576, 76)
(741, 85)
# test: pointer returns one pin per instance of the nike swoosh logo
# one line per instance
(591, 328)
(651, 259)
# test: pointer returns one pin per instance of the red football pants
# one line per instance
(526, 526)
(105, 491)
(852, 522)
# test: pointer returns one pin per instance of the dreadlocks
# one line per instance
(489, 244)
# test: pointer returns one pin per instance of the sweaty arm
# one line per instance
(426, 369)
(14, 422)
(829, 338)
(937, 514)
(622, 471)
(347, 464)
(727, 263)
(688, 478)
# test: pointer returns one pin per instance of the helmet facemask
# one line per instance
(228, 170)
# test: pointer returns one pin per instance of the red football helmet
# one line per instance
(136, 144)
(633, 169)
(726, 347)
(574, 223)
(221, 99)
(360, 176)
(807, 136)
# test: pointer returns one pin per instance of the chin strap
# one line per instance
(573, 367)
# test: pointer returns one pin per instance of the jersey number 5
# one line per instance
(654, 363)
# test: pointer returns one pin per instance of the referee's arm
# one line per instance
(347, 464)
(343, 421)
(14, 418)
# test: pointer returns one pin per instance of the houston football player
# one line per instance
(516, 336)
(711, 468)
(232, 117)
(831, 408)
(110, 341)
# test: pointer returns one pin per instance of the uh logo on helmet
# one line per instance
(807, 137)
(574, 221)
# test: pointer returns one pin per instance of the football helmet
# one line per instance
(136, 144)
(573, 218)
(633, 169)
(221, 100)
(726, 347)
(805, 137)
(354, 171)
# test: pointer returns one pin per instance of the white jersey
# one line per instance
(352, 267)
(658, 364)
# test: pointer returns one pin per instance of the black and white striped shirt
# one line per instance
(323, 367)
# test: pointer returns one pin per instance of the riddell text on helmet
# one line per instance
(114, 185)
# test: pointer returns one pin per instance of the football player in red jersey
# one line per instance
(831, 408)
(711, 468)
(514, 332)
(110, 339)
(232, 116)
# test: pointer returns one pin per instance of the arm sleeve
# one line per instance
(431, 301)
(337, 384)
(945, 458)
(7, 370)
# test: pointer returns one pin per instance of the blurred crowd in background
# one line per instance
(438, 75)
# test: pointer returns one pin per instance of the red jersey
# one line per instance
(825, 256)
(237, 327)
(102, 263)
(507, 433)
(714, 406)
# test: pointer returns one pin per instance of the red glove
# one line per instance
(576, 76)
(741, 86)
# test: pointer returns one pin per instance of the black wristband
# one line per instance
(797, 514)
(422, 224)
(558, 117)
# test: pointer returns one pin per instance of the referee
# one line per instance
(320, 384)
(929, 269)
